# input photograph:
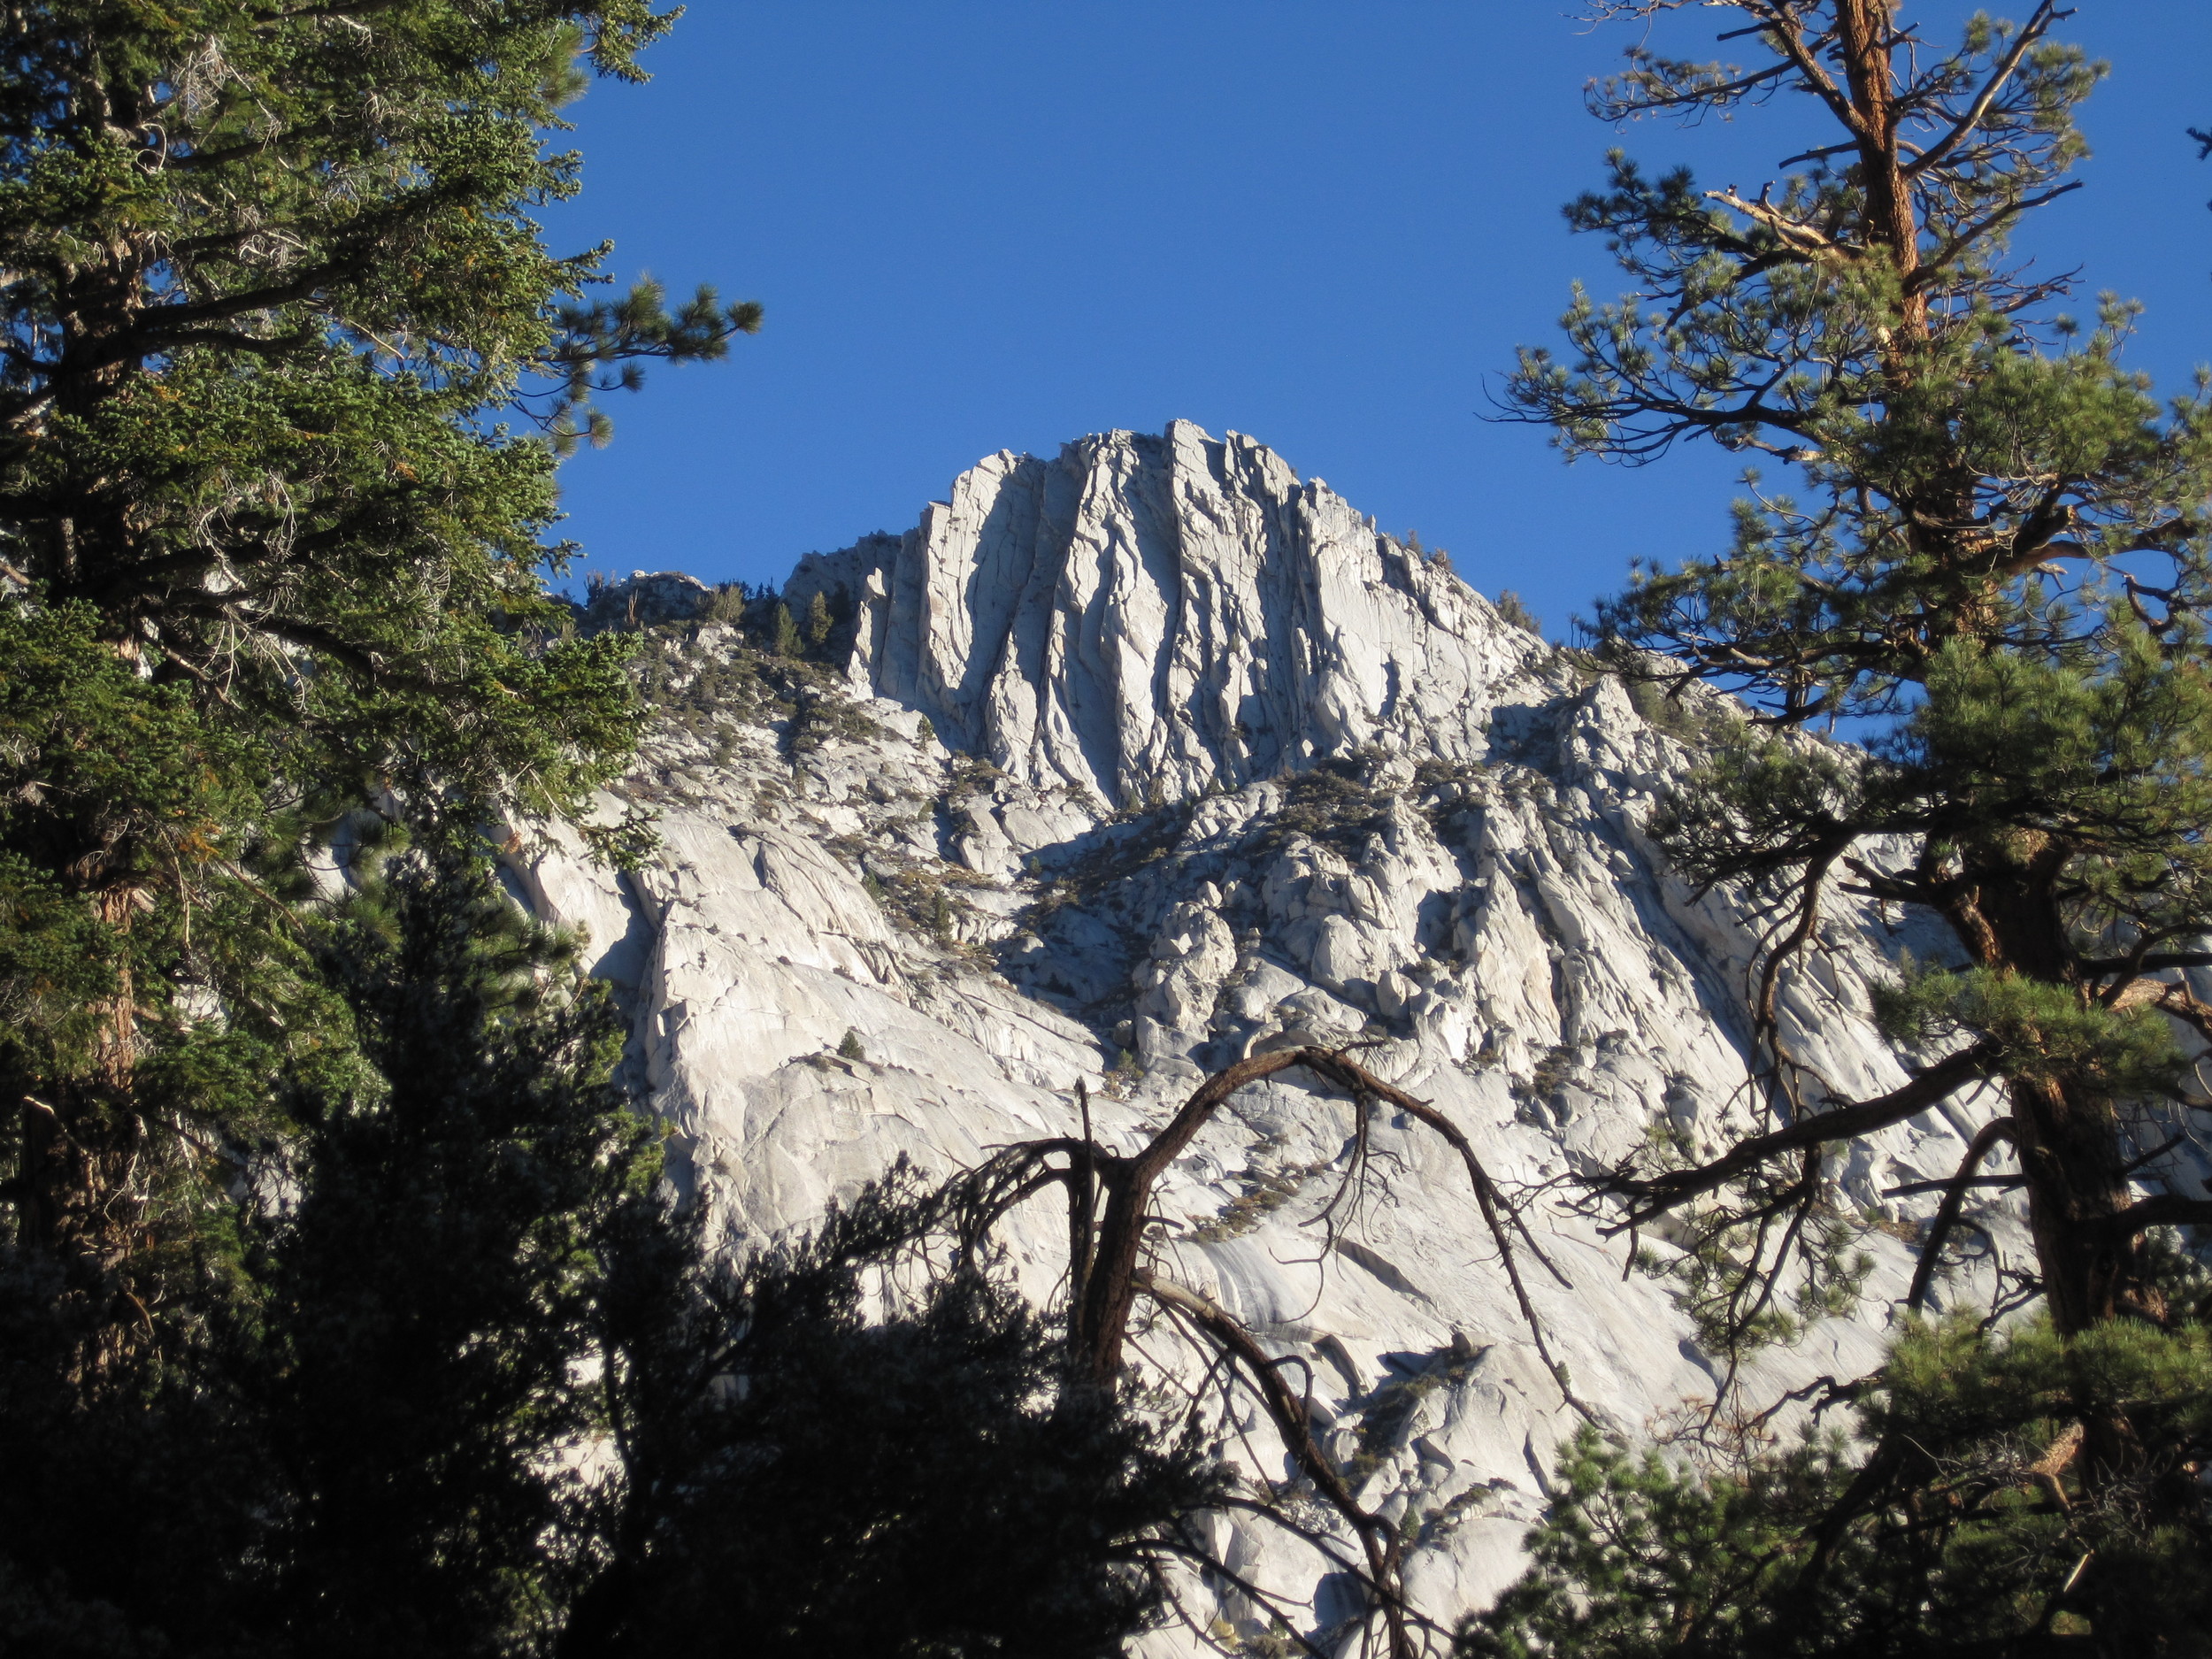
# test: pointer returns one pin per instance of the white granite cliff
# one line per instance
(1143, 753)
(1146, 618)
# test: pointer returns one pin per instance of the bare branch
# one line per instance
(2161, 1210)
(1655, 1195)
(1294, 1425)
(1804, 54)
(1798, 236)
(2036, 28)
(1947, 1213)
(1102, 1317)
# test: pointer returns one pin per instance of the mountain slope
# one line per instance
(1119, 765)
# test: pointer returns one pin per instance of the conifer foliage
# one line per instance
(867, 1443)
(345, 1431)
(1995, 564)
(271, 284)
(431, 1296)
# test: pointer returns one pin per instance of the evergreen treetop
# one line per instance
(2001, 553)
(271, 272)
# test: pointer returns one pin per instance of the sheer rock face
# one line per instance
(1143, 617)
(1355, 803)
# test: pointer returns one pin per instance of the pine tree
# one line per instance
(346, 1428)
(105, 1031)
(785, 640)
(865, 1443)
(1997, 565)
(1973, 567)
(428, 1333)
(272, 281)
(1979, 1537)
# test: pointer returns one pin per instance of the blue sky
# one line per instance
(982, 224)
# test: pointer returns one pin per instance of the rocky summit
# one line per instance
(1122, 765)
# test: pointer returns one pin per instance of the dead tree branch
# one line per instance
(1648, 1197)
(1947, 1213)
(1110, 1270)
(1288, 1408)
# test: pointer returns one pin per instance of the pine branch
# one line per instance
(1650, 1197)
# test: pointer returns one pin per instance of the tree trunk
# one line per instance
(2070, 1149)
(2008, 919)
(1863, 31)
(2008, 915)
(81, 1202)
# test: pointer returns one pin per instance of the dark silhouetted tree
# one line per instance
(866, 1443)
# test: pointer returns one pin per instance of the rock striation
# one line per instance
(1123, 764)
(1145, 618)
